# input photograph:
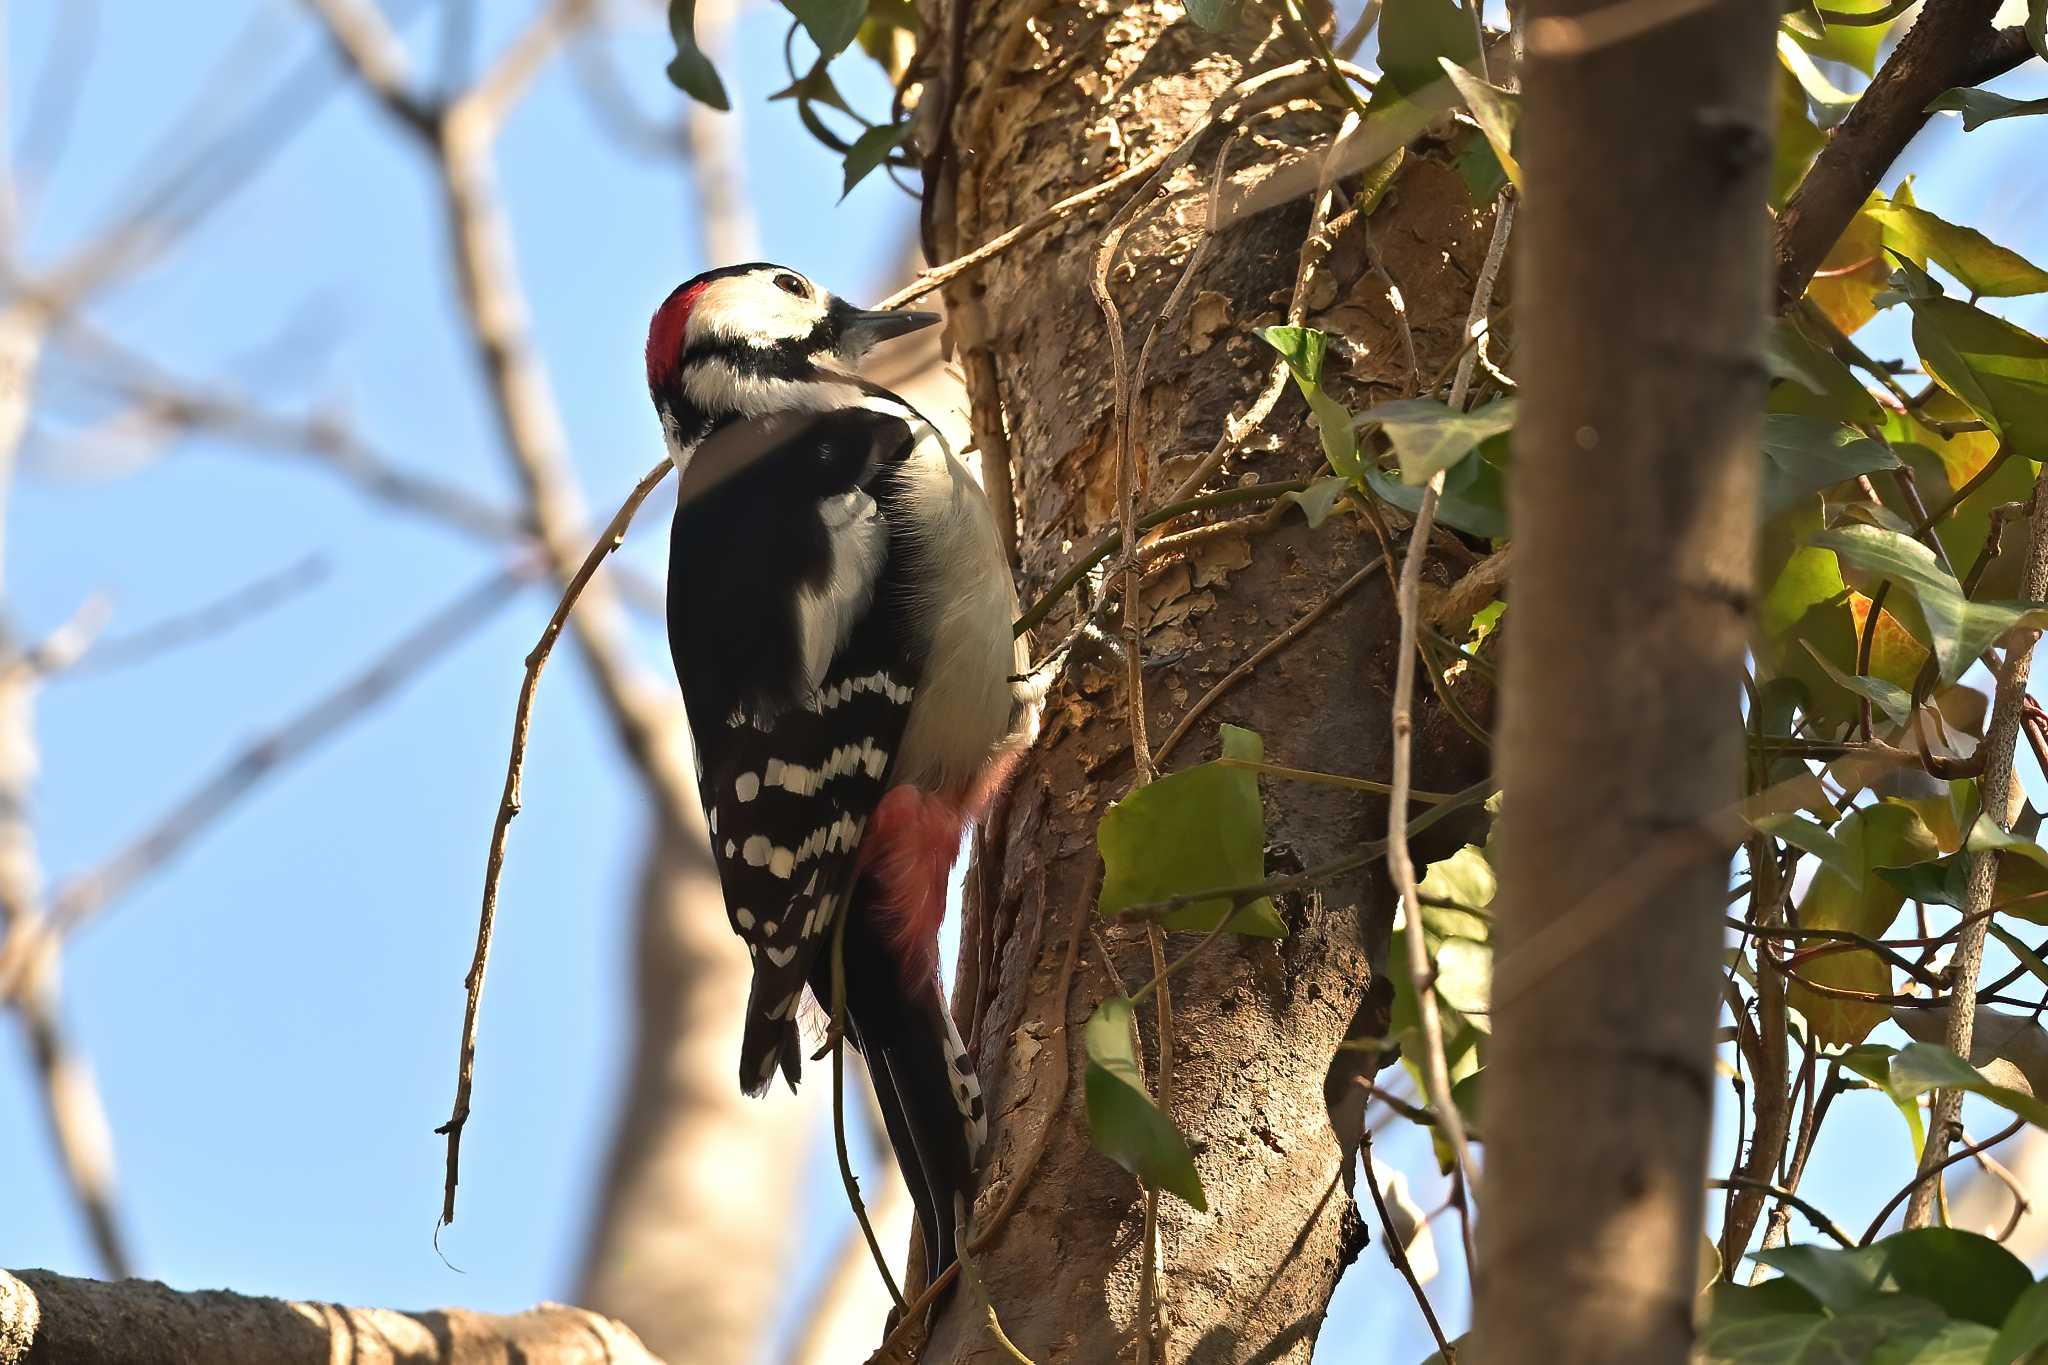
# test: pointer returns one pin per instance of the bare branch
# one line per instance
(359, 32)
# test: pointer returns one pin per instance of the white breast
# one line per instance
(962, 607)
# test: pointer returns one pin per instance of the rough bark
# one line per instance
(1643, 256)
(48, 1319)
(1049, 103)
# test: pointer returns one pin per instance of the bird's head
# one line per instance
(751, 339)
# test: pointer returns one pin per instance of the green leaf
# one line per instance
(1319, 498)
(870, 150)
(1958, 629)
(1495, 110)
(1218, 16)
(1473, 500)
(1924, 1066)
(1979, 107)
(1894, 701)
(1856, 44)
(1414, 36)
(1873, 1062)
(1304, 349)
(1946, 1343)
(1808, 837)
(1194, 830)
(1962, 1274)
(1465, 880)
(1127, 1126)
(1939, 881)
(2000, 370)
(832, 24)
(2025, 1328)
(1429, 436)
(1830, 102)
(2037, 27)
(1789, 355)
(1464, 978)
(1803, 455)
(690, 71)
(1983, 266)
(1844, 895)
(1810, 1339)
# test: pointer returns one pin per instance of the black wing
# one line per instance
(797, 677)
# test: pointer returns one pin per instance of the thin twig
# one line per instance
(508, 807)
(1784, 1196)
(1435, 1070)
(1922, 1177)
(1398, 1254)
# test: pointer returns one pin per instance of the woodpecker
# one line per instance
(839, 610)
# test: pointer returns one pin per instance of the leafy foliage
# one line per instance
(1127, 1126)
(1191, 831)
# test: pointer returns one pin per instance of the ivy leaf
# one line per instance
(1127, 1126)
(1304, 348)
(1318, 499)
(1873, 1062)
(870, 150)
(1803, 455)
(2000, 370)
(690, 71)
(1194, 830)
(832, 24)
(1958, 629)
(1979, 107)
(1495, 110)
(1883, 1324)
(1789, 355)
(1960, 1273)
(1797, 142)
(1473, 500)
(1983, 266)
(1429, 436)
(1414, 36)
(1218, 16)
(1830, 102)
(2025, 1328)
(1844, 895)
(1854, 270)
(1928, 1066)
(1894, 701)
(1808, 837)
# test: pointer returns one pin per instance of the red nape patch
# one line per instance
(665, 332)
(905, 858)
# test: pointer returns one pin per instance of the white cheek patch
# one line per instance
(750, 308)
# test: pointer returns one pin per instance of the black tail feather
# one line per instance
(902, 1035)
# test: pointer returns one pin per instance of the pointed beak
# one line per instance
(861, 328)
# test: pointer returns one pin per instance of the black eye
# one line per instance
(790, 284)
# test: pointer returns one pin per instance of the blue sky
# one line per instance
(273, 1018)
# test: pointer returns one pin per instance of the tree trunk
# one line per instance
(1047, 104)
(697, 1214)
(1643, 251)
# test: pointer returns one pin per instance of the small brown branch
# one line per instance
(1784, 1196)
(1927, 1174)
(48, 1319)
(204, 622)
(1951, 44)
(2001, 736)
(508, 807)
(1398, 1254)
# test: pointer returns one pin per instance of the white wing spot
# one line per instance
(781, 957)
(782, 862)
(743, 917)
(771, 927)
(747, 786)
(731, 848)
(712, 816)
(757, 850)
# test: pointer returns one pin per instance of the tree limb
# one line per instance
(1952, 44)
(51, 1319)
